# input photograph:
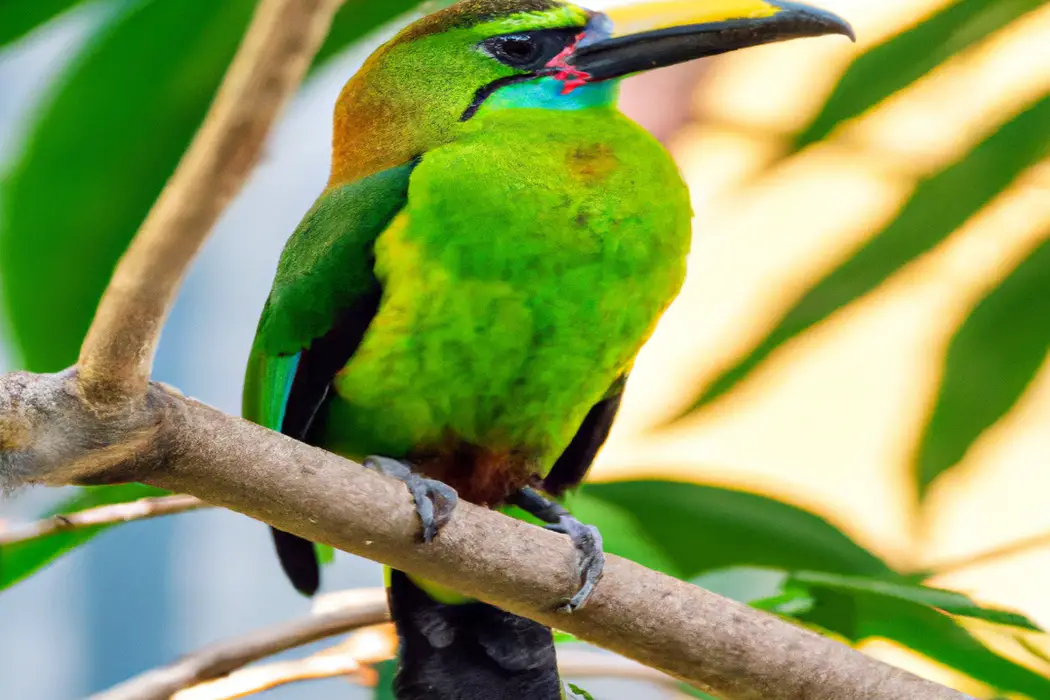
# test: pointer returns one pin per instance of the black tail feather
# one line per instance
(299, 561)
(470, 651)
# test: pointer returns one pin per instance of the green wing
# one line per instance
(324, 296)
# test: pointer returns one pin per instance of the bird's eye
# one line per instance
(519, 49)
(532, 50)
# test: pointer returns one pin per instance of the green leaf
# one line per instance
(939, 206)
(991, 361)
(860, 608)
(100, 153)
(947, 601)
(903, 59)
(859, 614)
(325, 554)
(791, 603)
(701, 528)
(765, 589)
(744, 584)
(564, 637)
(96, 160)
(384, 689)
(575, 692)
(19, 17)
(17, 561)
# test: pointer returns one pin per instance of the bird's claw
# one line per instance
(435, 500)
(590, 558)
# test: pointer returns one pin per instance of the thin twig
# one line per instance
(142, 509)
(117, 355)
(572, 663)
(251, 681)
(1005, 551)
(221, 659)
(354, 656)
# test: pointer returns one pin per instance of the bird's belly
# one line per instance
(483, 383)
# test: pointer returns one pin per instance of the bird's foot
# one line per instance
(435, 500)
(590, 559)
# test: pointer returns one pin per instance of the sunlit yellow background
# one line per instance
(831, 420)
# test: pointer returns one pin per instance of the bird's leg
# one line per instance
(435, 500)
(586, 539)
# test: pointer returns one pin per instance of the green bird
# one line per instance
(462, 305)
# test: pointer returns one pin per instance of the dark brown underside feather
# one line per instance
(479, 475)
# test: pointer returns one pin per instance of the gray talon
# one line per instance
(444, 498)
(585, 538)
(590, 558)
(435, 500)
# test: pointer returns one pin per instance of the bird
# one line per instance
(463, 304)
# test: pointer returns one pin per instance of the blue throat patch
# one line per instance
(546, 93)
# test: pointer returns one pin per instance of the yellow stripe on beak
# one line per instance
(650, 16)
(657, 34)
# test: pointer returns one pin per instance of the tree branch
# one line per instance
(220, 659)
(117, 355)
(143, 509)
(692, 634)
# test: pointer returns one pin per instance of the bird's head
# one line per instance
(414, 92)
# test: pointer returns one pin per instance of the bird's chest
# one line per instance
(519, 282)
(530, 218)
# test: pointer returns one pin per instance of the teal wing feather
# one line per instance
(325, 271)
(324, 296)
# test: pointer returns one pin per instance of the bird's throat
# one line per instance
(549, 93)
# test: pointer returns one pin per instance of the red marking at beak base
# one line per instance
(571, 76)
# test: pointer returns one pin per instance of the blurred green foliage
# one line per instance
(700, 528)
(939, 206)
(19, 17)
(999, 348)
(900, 61)
(22, 559)
(96, 159)
(992, 361)
(384, 689)
(860, 608)
(103, 146)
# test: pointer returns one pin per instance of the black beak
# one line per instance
(756, 22)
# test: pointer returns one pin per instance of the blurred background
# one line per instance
(863, 334)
